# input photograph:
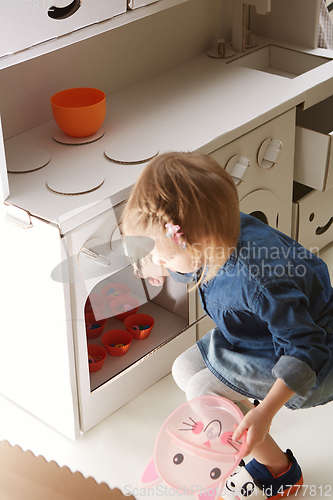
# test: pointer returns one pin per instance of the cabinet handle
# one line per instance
(59, 13)
(100, 259)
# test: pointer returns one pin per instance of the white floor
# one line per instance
(117, 450)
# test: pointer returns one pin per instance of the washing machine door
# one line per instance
(263, 205)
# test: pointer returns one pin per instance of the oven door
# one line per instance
(99, 262)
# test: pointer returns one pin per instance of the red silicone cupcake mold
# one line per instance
(94, 304)
(139, 325)
(117, 342)
(113, 290)
(95, 329)
(96, 357)
(124, 306)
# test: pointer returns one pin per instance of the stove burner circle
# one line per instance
(26, 159)
(60, 136)
(75, 181)
(130, 152)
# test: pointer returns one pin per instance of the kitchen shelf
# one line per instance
(167, 326)
(86, 32)
(169, 308)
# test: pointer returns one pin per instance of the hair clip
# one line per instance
(172, 232)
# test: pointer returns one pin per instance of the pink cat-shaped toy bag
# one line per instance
(194, 451)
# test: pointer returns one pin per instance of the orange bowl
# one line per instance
(117, 342)
(79, 112)
(133, 323)
(96, 357)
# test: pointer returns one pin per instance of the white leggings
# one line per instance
(194, 378)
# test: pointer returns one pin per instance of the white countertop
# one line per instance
(199, 105)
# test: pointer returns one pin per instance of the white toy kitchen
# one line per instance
(258, 100)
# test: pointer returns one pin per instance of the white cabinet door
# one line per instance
(121, 378)
(36, 340)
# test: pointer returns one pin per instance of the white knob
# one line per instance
(237, 166)
(268, 153)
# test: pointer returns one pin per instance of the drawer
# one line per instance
(313, 218)
(313, 146)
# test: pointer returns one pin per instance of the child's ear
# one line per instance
(150, 476)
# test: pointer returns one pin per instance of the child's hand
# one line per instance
(157, 281)
(257, 423)
(258, 420)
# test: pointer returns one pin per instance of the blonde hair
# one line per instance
(193, 191)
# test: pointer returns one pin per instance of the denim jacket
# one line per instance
(274, 295)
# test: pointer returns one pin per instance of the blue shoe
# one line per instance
(256, 480)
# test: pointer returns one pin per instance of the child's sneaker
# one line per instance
(256, 480)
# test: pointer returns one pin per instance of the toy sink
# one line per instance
(280, 61)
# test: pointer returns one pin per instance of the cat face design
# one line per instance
(194, 451)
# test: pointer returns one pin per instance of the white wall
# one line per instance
(112, 60)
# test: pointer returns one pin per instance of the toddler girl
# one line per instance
(270, 299)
